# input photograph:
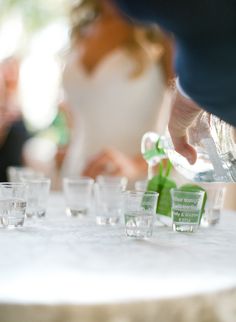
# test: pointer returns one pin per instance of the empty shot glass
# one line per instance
(113, 180)
(37, 193)
(78, 195)
(186, 210)
(141, 185)
(108, 202)
(214, 203)
(12, 204)
(139, 210)
(14, 173)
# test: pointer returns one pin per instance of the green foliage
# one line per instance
(159, 148)
(156, 151)
(162, 184)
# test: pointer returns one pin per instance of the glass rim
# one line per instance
(12, 183)
(35, 180)
(144, 180)
(139, 192)
(199, 192)
(110, 184)
(110, 178)
(19, 167)
(77, 179)
(214, 184)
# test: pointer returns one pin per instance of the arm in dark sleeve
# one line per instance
(205, 35)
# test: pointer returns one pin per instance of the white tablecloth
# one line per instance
(69, 269)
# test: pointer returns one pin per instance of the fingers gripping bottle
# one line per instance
(215, 143)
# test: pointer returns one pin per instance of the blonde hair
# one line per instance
(144, 44)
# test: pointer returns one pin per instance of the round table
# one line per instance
(70, 269)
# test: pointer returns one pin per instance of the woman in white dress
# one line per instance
(115, 83)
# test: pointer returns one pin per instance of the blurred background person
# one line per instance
(13, 132)
(115, 82)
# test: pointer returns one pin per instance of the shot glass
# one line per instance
(37, 193)
(139, 210)
(78, 195)
(113, 180)
(12, 204)
(186, 210)
(214, 203)
(140, 185)
(108, 202)
(14, 173)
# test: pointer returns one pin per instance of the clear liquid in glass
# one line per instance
(138, 224)
(12, 212)
(77, 212)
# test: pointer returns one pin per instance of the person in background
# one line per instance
(13, 133)
(115, 82)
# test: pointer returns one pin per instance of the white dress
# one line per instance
(110, 108)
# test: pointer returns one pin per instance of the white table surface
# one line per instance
(61, 261)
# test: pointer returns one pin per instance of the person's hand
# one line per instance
(183, 113)
(113, 162)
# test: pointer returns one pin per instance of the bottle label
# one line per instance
(180, 216)
(186, 209)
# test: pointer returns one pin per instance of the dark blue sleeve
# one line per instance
(205, 60)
